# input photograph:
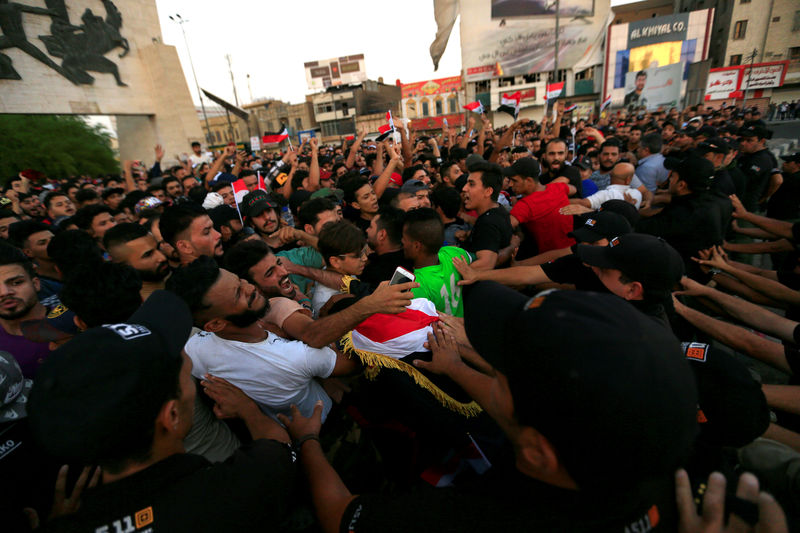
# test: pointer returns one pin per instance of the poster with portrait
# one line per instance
(653, 87)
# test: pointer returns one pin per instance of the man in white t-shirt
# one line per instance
(235, 345)
(197, 156)
(620, 186)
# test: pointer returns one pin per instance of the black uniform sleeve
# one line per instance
(565, 269)
(486, 235)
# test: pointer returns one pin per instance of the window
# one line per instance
(745, 2)
(452, 104)
(794, 53)
(776, 19)
(439, 107)
(411, 108)
(298, 123)
(219, 140)
(796, 23)
(736, 60)
(740, 29)
(425, 108)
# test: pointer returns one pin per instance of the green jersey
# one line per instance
(439, 283)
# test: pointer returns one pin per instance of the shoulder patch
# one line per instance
(57, 311)
(695, 350)
(128, 331)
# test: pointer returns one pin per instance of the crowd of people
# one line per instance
(572, 325)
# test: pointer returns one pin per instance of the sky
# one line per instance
(271, 40)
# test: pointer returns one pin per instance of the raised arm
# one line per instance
(127, 175)
(351, 156)
(515, 276)
(777, 227)
(216, 166)
(382, 183)
(313, 167)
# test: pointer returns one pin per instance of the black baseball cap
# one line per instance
(584, 162)
(604, 383)
(92, 392)
(696, 171)
(527, 167)
(794, 158)
(706, 131)
(753, 130)
(222, 214)
(412, 186)
(640, 257)
(256, 202)
(601, 225)
(714, 144)
(621, 207)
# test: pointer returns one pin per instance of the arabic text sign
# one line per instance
(764, 76)
(721, 83)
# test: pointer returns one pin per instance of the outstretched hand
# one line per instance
(468, 274)
(229, 400)
(444, 348)
(300, 426)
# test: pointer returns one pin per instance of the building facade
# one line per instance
(337, 109)
(428, 104)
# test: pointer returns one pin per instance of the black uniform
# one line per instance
(689, 223)
(757, 167)
(785, 203)
(492, 231)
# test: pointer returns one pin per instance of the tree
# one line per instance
(59, 146)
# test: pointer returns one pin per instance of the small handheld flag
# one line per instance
(606, 103)
(475, 107)
(554, 90)
(510, 104)
(273, 138)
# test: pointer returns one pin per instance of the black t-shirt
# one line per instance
(785, 203)
(570, 269)
(184, 492)
(492, 231)
(513, 502)
(381, 267)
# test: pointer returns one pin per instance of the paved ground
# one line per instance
(785, 129)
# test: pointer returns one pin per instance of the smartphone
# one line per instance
(401, 275)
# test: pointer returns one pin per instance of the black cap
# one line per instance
(732, 409)
(794, 158)
(584, 162)
(706, 131)
(753, 130)
(601, 225)
(621, 207)
(643, 258)
(714, 144)
(91, 390)
(412, 186)
(222, 214)
(604, 383)
(256, 202)
(526, 167)
(696, 171)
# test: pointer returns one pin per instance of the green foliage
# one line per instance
(59, 146)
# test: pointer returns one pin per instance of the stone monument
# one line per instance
(97, 57)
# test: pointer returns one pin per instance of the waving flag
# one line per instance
(475, 107)
(510, 104)
(272, 138)
(606, 103)
(387, 129)
(554, 90)
(571, 108)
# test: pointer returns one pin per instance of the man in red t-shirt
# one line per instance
(538, 208)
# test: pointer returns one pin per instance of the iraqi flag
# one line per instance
(510, 104)
(475, 107)
(382, 340)
(240, 189)
(554, 91)
(606, 103)
(273, 138)
(570, 109)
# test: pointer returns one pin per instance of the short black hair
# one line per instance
(70, 248)
(197, 195)
(192, 282)
(425, 226)
(177, 218)
(340, 238)
(84, 217)
(219, 185)
(112, 190)
(297, 179)
(611, 143)
(350, 184)
(86, 195)
(170, 179)
(48, 198)
(310, 210)
(19, 232)
(153, 188)
(641, 73)
(122, 233)
(108, 293)
(391, 220)
(448, 200)
(491, 176)
(11, 255)
(244, 255)
(195, 143)
(409, 172)
(131, 199)
(653, 142)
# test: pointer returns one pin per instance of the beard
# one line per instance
(21, 311)
(604, 168)
(249, 317)
(156, 275)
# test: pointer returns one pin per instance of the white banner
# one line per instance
(255, 144)
(763, 76)
(653, 87)
(722, 83)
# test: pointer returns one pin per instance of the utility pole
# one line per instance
(249, 89)
(752, 58)
(230, 71)
(181, 21)
(555, 58)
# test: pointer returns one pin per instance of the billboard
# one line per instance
(431, 87)
(523, 42)
(537, 8)
(337, 71)
(650, 45)
(722, 82)
(764, 75)
(653, 87)
(729, 82)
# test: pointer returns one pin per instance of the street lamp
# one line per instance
(181, 21)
